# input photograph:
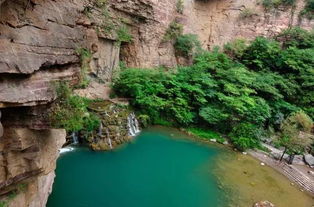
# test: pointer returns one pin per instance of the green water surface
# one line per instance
(155, 170)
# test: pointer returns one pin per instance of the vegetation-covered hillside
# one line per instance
(240, 90)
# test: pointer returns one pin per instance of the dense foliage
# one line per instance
(71, 111)
(258, 85)
(187, 45)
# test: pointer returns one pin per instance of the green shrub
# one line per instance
(71, 111)
(245, 136)
(308, 10)
(180, 6)
(296, 37)
(144, 120)
(206, 134)
(213, 115)
(85, 58)
(101, 3)
(269, 4)
(173, 32)
(236, 48)
(123, 34)
(163, 122)
(247, 13)
(3, 203)
(187, 45)
(261, 54)
(291, 139)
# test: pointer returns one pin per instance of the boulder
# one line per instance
(263, 204)
(309, 159)
(298, 160)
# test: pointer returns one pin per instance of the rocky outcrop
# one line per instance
(115, 128)
(309, 159)
(27, 164)
(217, 22)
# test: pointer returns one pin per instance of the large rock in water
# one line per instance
(264, 204)
(309, 159)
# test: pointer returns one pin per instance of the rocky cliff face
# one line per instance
(40, 42)
(27, 164)
(217, 22)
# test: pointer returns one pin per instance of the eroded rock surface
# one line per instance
(114, 129)
(217, 22)
(28, 159)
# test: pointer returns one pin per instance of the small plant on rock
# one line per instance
(85, 58)
(123, 34)
(247, 13)
(180, 6)
(174, 30)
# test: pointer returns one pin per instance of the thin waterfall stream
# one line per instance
(133, 125)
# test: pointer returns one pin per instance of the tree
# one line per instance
(296, 134)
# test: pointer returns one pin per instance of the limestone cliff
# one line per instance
(40, 42)
(27, 164)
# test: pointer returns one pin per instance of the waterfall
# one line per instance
(100, 130)
(110, 144)
(133, 125)
(74, 138)
(70, 147)
(108, 138)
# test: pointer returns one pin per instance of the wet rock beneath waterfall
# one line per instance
(118, 125)
(264, 204)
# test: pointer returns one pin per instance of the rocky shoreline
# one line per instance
(304, 181)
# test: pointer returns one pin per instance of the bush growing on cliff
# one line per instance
(187, 45)
(174, 30)
(85, 58)
(180, 6)
(269, 4)
(123, 34)
(236, 48)
(71, 111)
(296, 37)
(308, 10)
(247, 13)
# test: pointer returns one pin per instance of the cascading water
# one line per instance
(108, 138)
(74, 138)
(70, 147)
(100, 130)
(133, 125)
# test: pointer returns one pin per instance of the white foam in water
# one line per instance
(66, 149)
